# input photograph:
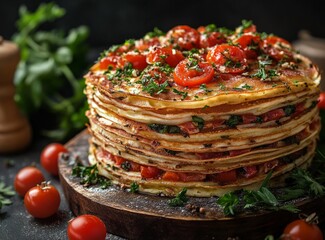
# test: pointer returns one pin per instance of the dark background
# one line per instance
(112, 22)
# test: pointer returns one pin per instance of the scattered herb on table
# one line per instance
(5, 193)
(47, 77)
(179, 200)
(134, 187)
(89, 176)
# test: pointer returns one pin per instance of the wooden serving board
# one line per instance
(140, 216)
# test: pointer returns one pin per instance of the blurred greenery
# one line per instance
(48, 80)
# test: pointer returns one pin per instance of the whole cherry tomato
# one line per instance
(165, 54)
(184, 37)
(193, 73)
(109, 61)
(49, 157)
(86, 227)
(227, 58)
(303, 229)
(27, 178)
(321, 101)
(42, 201)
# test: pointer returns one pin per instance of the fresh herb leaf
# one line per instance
(228, 202)
(5, 193)
(233, 121)
(183, 94)
(289, 110)
(126, 165)
(198, 121)
(89, 176)
(263, 73)
(155, 33)
(179, 200)
(152, 87)
(204, 88)
(134, 187)
(160, 128)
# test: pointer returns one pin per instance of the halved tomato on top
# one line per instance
(166, 55)
(184, 37)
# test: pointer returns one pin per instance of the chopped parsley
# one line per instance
(134, 187)
(263, 73)
(126, 165)
(204, 88)
(183, 94)
(160, 128)
(152, 87)
(155, 33)
(199, 122)
(289, 110)
(246, 86)
(179, 200)
(89, 176)
(233, 121)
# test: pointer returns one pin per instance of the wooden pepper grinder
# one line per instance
(15, 131)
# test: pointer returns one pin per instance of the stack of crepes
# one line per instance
(210, 109)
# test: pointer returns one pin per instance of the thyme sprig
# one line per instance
(179, 200)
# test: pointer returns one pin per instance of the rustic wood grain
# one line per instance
(139, 216)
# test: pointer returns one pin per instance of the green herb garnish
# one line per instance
(89, 176)
(228, 202)
(183, 94)
(234, 120)
(198, 121)
(179, 200)
(134, 187)
(155, 33)
(161, 128)
(5, 193)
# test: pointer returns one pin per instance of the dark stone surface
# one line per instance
(15, 222)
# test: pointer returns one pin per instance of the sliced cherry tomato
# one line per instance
(49, 157)
(226, 177)
(135, 167)
(208, 155)
(191, 177)
(250, 44)
(149, 172)
(211, 39)
(249, 118)
(42, 201)
(165, 54)
(137, 60)
(109, 61)
(184, 37)
(227, 58)
(275, 114)
(189, 128)
(250, 29)
(27, 178)
(302, 229)
(86, 227)
(278, 48)
(187, 75)
(171, 176)
(145, 44)
(250, 171)
(321, 101)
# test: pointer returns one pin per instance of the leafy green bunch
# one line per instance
(49, 87)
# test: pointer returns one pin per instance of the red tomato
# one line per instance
(49, 157)
(27, 178)
(227, 58)
(86, 227)
(149, 172)
(250, 44)
(211, 39)
(42, 201)
(165, 54)
(109, 61)
(170, 176)
(276, 47)
(321, 101)
(226, 177)
(118, 160)
(184, 37)
(191, 177)
(302, 230)
(249, 118)
(234, 153)
(190, 77)
(250, 29)
(273, 115)
(144, 44)
(137, 60)
(250, 171)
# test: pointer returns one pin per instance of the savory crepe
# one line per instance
(208, 109)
